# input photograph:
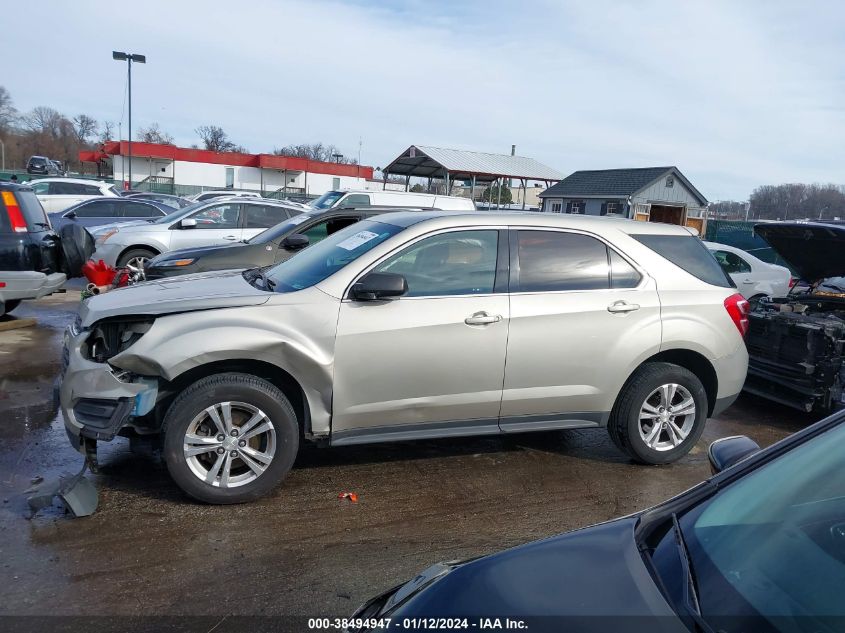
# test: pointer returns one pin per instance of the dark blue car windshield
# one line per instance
(325, 258)
(773, 543)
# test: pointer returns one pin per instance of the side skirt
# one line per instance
(465, 428)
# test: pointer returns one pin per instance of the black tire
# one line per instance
(233, 388)
(77, 245)
(624, 423)
(134, 253)
(8, 306)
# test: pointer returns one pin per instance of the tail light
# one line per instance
(737, 308)
(792, 282)
(14, 211)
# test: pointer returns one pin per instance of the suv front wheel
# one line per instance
(230, 438)
(660, 413)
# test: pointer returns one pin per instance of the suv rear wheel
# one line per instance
(660, 413)
(230, 438)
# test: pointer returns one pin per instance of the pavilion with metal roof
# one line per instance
(450, 165)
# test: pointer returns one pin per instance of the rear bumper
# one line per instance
(731, 371)
(29, 284)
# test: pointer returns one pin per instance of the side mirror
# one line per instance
(70, 215)
(188, 223)
(728, 451)
(295, 242)
(377, 286)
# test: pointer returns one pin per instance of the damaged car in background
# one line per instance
(796, 342)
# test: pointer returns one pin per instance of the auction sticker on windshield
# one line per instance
(361, 237)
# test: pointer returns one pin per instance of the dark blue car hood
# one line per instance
(590, 578)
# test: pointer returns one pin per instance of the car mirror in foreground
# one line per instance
(188, 223)
(377, 286)
(728, 451)
(295, 242)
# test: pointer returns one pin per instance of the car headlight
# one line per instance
(173, 263)
(102, 237)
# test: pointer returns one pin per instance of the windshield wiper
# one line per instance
(691, 602)
(269, 284)
(253, 274)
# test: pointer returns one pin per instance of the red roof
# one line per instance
(266, 161)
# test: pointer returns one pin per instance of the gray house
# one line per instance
(649, 194)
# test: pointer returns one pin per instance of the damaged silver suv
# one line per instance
(409, 326)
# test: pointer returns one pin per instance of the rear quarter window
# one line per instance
(690, 254)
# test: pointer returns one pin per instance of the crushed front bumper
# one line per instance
(97, 400)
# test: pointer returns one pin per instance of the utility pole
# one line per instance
(129, 58)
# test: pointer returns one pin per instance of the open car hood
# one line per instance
(812, 249)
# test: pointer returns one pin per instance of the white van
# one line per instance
(365, 198)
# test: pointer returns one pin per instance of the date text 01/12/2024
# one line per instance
(416, 624)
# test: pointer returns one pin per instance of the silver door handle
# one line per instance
(622, 306)
(748, 281)
(482, 318)
(231, 238)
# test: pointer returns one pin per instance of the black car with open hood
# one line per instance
(796, 343)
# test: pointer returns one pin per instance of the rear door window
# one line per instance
(138, 210)
(556, 260)
(690, 254)
(96, 209)
(263, 216)
(731, 262)
(356, 200)
(69, 189)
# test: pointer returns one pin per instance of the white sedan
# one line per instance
(753, 277)
(57, 194)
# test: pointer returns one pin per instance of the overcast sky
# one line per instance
(736, 93)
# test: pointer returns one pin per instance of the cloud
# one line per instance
(735, 94)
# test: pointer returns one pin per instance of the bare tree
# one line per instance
(106, 131)
(8, 114)
(85, 127)
(215, 138)
(797, 201)
(43, 120)
(315, 151)
(154, 134)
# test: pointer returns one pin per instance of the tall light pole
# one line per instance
(129, 58)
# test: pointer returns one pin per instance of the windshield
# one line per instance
(279, 230)
(325, 258)
(773, 543)
(327, 200)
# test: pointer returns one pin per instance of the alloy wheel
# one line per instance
(667, 417)
(229, 444)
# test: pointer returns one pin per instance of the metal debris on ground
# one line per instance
(353, 497)
(77, 493)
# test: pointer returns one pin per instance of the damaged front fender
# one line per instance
(293, 332)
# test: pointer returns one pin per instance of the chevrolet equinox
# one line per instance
(409, 326)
